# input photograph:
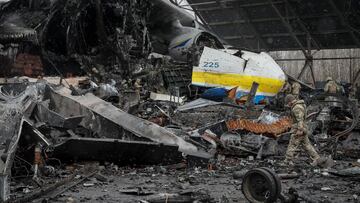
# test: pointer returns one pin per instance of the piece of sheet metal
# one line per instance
(198, 103)
(52, 118)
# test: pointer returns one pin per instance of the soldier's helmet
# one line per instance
(289, 98)
(329, 78)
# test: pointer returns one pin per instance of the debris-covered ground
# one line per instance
(223, 184)
(78, 148)
(99, 104)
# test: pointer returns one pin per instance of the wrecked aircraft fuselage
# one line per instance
(220, 69)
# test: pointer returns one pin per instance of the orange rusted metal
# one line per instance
(271, 130)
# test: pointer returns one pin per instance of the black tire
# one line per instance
(259, 186)
(276, 178)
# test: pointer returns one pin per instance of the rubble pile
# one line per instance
(53, 128)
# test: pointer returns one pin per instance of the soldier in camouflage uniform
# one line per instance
(331, 87)
(296, 88)
(299, 131)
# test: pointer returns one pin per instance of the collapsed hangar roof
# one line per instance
(272, 25)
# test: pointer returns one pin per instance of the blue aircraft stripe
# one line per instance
(182, 44)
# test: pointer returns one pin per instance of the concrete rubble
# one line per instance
(92, 111)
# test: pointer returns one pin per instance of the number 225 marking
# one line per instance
(211, 65)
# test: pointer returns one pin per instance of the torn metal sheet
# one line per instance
(12, 107)
(198, 103)
(36, 135)
(44, 114)
(108, 121)
(217, 128)
(118, 151)
(7, 158)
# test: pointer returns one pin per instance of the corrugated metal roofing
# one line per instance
(283, 24)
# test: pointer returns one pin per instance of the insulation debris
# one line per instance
(272, 130)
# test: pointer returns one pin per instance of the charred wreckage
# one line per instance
(128, 82)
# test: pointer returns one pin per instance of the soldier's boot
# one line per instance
(315, 157)
(315, 162)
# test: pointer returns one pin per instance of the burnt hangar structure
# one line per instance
(280, 25)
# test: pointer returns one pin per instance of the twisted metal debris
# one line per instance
(272, 130)
(13, 32)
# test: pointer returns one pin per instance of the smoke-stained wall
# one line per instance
(340, 69)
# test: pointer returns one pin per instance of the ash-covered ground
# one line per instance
(222, 184)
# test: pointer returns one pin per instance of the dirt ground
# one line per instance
(315, 185)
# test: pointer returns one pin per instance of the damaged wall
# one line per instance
(341, 69)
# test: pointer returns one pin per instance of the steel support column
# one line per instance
(310, 58)
(308, 61)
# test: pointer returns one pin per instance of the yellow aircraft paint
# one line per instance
(270, 86)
